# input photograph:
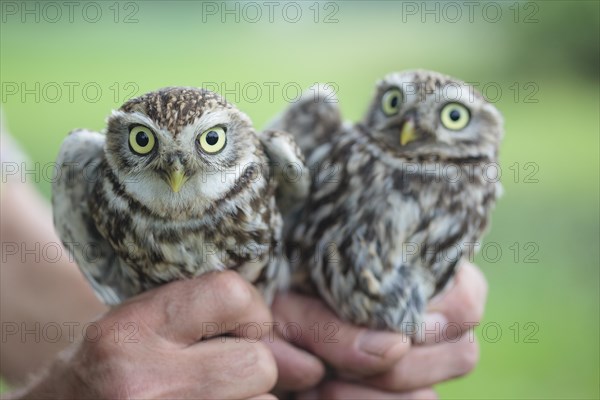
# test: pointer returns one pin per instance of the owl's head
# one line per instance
(424, 113)
(179, 147)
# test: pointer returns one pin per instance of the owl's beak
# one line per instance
(175, 172)
(408, 133)
(176, 179)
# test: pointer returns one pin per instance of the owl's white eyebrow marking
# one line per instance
(206, 121)
(135, 117)
(212, 118)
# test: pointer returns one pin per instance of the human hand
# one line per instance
(184, 339)
(373, 364)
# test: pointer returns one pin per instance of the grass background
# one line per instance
(554, 53)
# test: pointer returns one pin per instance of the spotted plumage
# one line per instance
(397, 200)
(180, 184)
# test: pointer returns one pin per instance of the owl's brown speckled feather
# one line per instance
(397, 200)
(173, 108)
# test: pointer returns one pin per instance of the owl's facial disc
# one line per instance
(422, 113)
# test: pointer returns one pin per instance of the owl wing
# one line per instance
(287, 168)
(312, 119)
(75, 176)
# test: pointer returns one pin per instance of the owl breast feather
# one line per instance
(160, 250)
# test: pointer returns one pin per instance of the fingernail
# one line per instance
(378, 343)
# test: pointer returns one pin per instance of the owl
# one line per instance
(178, 185)
(397, 200)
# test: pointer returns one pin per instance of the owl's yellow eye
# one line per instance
(212, 140)
(455, 116)
(141, 140)
(390, 102)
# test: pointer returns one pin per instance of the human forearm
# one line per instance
(44, 299)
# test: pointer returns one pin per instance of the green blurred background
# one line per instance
(537, 61)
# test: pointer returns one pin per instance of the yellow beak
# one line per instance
(408, 133)
(176, 180)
